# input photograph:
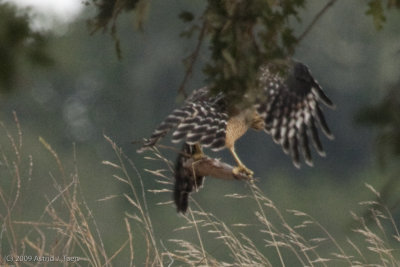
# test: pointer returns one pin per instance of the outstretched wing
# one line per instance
(292, 112)
(200, 120)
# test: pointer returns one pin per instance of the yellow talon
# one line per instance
(198, 153)
(198, 156)
(241, 169)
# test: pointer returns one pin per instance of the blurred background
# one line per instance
(71, 90)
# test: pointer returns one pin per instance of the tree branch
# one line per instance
(316, 18)
(193, 58)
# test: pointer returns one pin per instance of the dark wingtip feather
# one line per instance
(296, 164)
(310, 163)
(320, 94)
(315, 138)
(322, 122)
(330, 136)
(285, 145)
(333, 106)
(305, 147)
(295, 152)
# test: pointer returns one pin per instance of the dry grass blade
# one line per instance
(372, 189)
(106, 198)
(67, 224)
(131, 250)
(258, 198)
(157, 173)
(54, 154)
(109, 163)
(138, 199)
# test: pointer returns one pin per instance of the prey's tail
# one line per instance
(185, 178)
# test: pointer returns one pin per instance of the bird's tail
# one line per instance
(185, 179)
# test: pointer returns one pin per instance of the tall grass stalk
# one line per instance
(67, 225)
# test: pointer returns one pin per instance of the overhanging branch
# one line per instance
(316, 18)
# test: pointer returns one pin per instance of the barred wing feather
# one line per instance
(292, 112)
(200, 120)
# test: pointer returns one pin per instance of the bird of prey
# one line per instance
(287, 106)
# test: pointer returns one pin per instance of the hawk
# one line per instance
(287, 106)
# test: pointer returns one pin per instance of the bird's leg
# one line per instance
(241, 168)
(197, 153)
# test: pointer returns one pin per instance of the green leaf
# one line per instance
(375, 9)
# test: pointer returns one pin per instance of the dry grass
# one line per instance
(67, 226)
(56, 232)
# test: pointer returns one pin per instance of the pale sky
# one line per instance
(52, 11)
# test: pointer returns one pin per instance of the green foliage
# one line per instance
(108, 12)
(376, 11)
(186, 16)
(17, 41)
(243, 35)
